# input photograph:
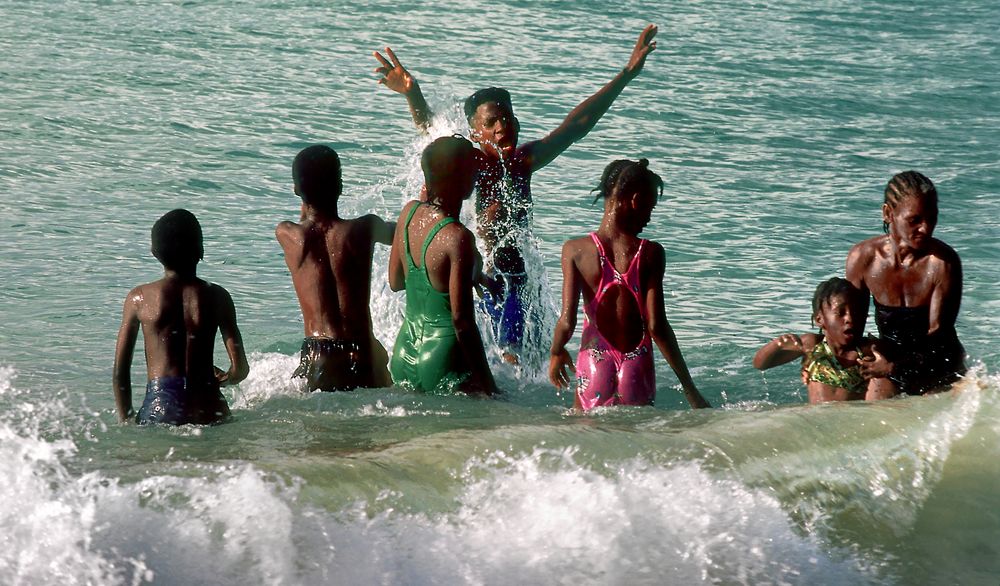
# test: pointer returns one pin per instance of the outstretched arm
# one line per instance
(560, 362)
(239, 367)
(399, 80)
(781, 350)
(662, 333)
(583, 118)
(122, 374)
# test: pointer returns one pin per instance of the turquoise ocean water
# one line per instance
(775, 125)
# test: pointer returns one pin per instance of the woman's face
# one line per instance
(912, 221)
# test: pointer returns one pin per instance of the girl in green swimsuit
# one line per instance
(438, 346)
(830, 359)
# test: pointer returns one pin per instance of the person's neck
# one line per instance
(903, 255)
(613, 225)
(314, 214)
(181, 275)
(840, 352)
(444, 207)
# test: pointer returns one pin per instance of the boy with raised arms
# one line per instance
(178, 315)
(330, 259)
(503, 202)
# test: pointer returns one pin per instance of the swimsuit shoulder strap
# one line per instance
(633, 281)
(632, 272)
(608, 273)
(430, 236)
(406, 235)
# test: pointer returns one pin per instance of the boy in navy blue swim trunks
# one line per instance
(179, 316)
(503, 196)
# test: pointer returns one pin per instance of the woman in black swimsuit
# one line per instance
(916, 283)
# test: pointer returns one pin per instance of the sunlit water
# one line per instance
(775, 127)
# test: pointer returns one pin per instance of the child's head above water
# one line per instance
(316, 172)
(490, 94)
(624, 177)
(837, 306)
(177, 241)
(492, 122)
(450, 168)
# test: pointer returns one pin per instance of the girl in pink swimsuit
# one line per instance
(620, 276)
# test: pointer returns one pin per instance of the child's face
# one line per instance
(837, 318)
(912, 221)
(495, 128)
(643, 203)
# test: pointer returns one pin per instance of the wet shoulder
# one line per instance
(456, 234)
(944, 252)
(653, 259)
(869, 248)
(577, 249)
(866, 254)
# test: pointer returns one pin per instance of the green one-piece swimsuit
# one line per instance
(426, 355)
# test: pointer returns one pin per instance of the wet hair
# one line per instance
(177, 241)
(316, 172)
(905, 185)
(445, 157)
(490, 94)
(829, 289)
(625, 176)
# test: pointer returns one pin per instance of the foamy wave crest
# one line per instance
(229, 526)
(270, 376)
(544, 518)
(49, 518)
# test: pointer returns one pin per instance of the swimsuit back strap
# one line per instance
(430, 236)
(607, 277)
(609, 274)
(632, 278)
(406, 235)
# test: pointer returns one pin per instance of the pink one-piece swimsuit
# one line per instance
(606, 375)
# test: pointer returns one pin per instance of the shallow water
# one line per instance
(775, 127)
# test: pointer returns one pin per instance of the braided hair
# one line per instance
(905, 185)
(627, 176)
(832, 287)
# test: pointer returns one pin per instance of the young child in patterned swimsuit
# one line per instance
(621, 278)
(831, 359)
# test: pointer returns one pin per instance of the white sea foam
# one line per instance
(542, 518)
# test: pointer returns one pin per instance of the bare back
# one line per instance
(440, 249)
(618, 316)
(330, 262)
(179, 317)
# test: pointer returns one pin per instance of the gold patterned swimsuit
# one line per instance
(823, 366)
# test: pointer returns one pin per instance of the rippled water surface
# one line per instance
(775, 127)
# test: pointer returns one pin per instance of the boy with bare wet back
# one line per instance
(179, 315)
(330, 259)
